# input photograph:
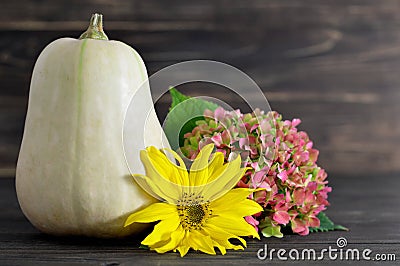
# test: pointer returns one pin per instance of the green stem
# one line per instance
(95, 29)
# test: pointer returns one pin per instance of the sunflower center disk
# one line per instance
(193, 212)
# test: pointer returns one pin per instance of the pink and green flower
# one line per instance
(280, 158)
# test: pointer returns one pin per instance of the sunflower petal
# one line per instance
(199, 170)
(154, 189)
(222, 237)
(235, 195)
(220, 234)
(159, 161)
(245, 208)
(228, 245)
(152, 213)
(177, 157)
(159, 177)
(183, 250)
(225, 182)
(185, 245)
(180, 170)
(221, 248)
(238, 227)
(216, 166)
(201, 242)
(175, 240)
(238, 198)
(162, 231)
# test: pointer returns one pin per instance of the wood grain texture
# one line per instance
(354, 203)
(334, 64)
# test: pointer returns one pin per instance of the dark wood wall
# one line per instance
(335, 64)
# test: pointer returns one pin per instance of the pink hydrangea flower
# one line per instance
(280, 158)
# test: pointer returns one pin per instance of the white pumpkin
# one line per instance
(72, 177)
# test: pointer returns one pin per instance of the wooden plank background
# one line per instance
(333, 63)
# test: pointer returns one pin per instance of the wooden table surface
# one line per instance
(369, 209)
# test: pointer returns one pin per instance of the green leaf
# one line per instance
(177, 97)
(341, 227)
(268, 228)
(326, 224)
(272, 231)
(144, 247)
(182, 116)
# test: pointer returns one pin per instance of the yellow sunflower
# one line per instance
(200, 209)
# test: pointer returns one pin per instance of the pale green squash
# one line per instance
(72, 178)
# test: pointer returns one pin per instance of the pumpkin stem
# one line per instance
(95, 29)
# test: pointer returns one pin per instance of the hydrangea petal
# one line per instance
(282, 217)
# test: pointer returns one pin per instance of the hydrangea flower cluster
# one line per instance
(280, 158)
